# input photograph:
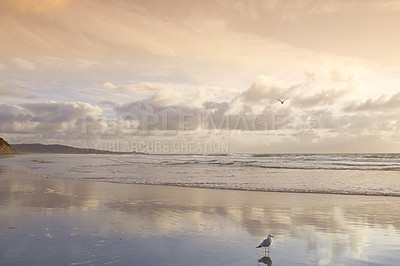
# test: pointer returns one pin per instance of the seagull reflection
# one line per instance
(266, 260)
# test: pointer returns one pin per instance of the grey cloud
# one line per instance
(328, 119)
(256, 109)
(150, 115)
(46, 118)
(356, 122)
(325, 97)
(375, 122)
(342, 84)
(21, 117)
(55, 112)
(383, 103)
(7, 113)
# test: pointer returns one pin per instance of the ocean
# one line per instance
(353, 174)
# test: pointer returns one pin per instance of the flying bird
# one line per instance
(266, 243)
(281, 101)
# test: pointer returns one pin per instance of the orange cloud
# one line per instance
(28, 6)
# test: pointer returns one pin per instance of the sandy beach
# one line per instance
(49, 221)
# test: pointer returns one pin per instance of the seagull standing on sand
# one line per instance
(266, 243)
(281, 101)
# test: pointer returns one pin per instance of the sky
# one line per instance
(152, 75)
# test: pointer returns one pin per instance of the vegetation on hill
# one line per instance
(56, 148)
(5, 148)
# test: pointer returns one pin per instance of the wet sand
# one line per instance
(47, 221)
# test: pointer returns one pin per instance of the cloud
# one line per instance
(310, 92)
(171, 94)
(138, 88)
(324, 97)
(106, 103)
(204, 49)
(37, 6)
(84, 63)
(382, 103)
(309, 108)
(252, 120)
(267, 88)
(262, 95)
(24, 64)
(327, 87)
(16, 92)
(47, 118)
(165, 98)
(254, 109)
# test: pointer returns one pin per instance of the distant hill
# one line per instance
(56, 148)
(5, 147)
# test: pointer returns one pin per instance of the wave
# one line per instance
(262, 155)
(265, 165)
(382, 156)
(327, 168)
(224, 186)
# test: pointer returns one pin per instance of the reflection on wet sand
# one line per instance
(41, 194)
(326, 227)
(266, 260)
